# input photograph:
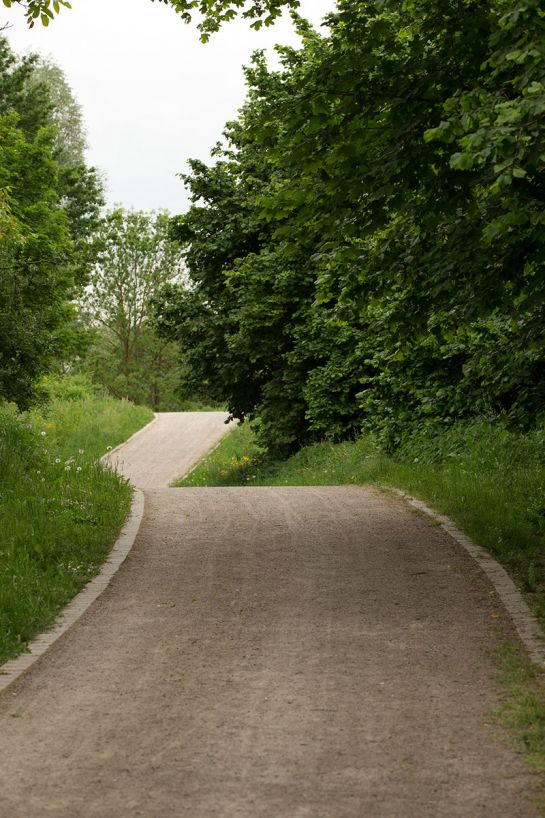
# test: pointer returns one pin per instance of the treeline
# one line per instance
(50, 201)
(75, 280)
(367, 250)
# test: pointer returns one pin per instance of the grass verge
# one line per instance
(61, 510)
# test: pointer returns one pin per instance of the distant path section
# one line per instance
(169, 447)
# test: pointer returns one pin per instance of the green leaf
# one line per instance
(461, 161)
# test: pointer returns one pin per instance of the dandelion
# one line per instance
(43, 434)
(108, 448)
(81, 451)
(57, 460)
(67, 468)
(78, 468)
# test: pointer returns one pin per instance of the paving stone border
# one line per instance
(11, 671)
(525, 622)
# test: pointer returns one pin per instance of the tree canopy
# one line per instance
(368, 249)
(47, 207)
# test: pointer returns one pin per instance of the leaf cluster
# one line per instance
(211, 13)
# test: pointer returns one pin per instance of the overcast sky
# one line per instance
(152, 94)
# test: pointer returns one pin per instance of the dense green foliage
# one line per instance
(60, 509)
(367, 251)
(48, 205)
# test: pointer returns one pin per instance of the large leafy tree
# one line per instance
(46, 209)
(65, 112)
(369, 248)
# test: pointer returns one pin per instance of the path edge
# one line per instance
(13, 670)
(195, 466)
(105, 457)
(525, 622)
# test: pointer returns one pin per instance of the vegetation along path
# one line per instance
(268, 652)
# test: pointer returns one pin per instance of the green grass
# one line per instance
(523, 710)
(61, 510)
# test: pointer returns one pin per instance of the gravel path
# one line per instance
(169, 447)
(271, 653)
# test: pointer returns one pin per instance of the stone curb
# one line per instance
(525, 622)
(12, 671)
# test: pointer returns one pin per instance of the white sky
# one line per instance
(152, 94)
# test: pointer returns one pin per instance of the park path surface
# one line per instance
(269, 653)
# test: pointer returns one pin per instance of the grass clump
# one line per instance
(523, 709)
(232, 463)
(61, 509)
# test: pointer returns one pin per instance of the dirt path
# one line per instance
(271, 653)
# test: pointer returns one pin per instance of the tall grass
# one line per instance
(60, 508)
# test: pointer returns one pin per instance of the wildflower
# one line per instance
(43, 434)
(67, 468)
(78, 468)
(81, 451)
(57, 460)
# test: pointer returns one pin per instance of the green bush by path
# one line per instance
(490, 480)
(366, 249)
(60, 508)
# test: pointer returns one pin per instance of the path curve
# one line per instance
(271, 653)
(169, 447)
